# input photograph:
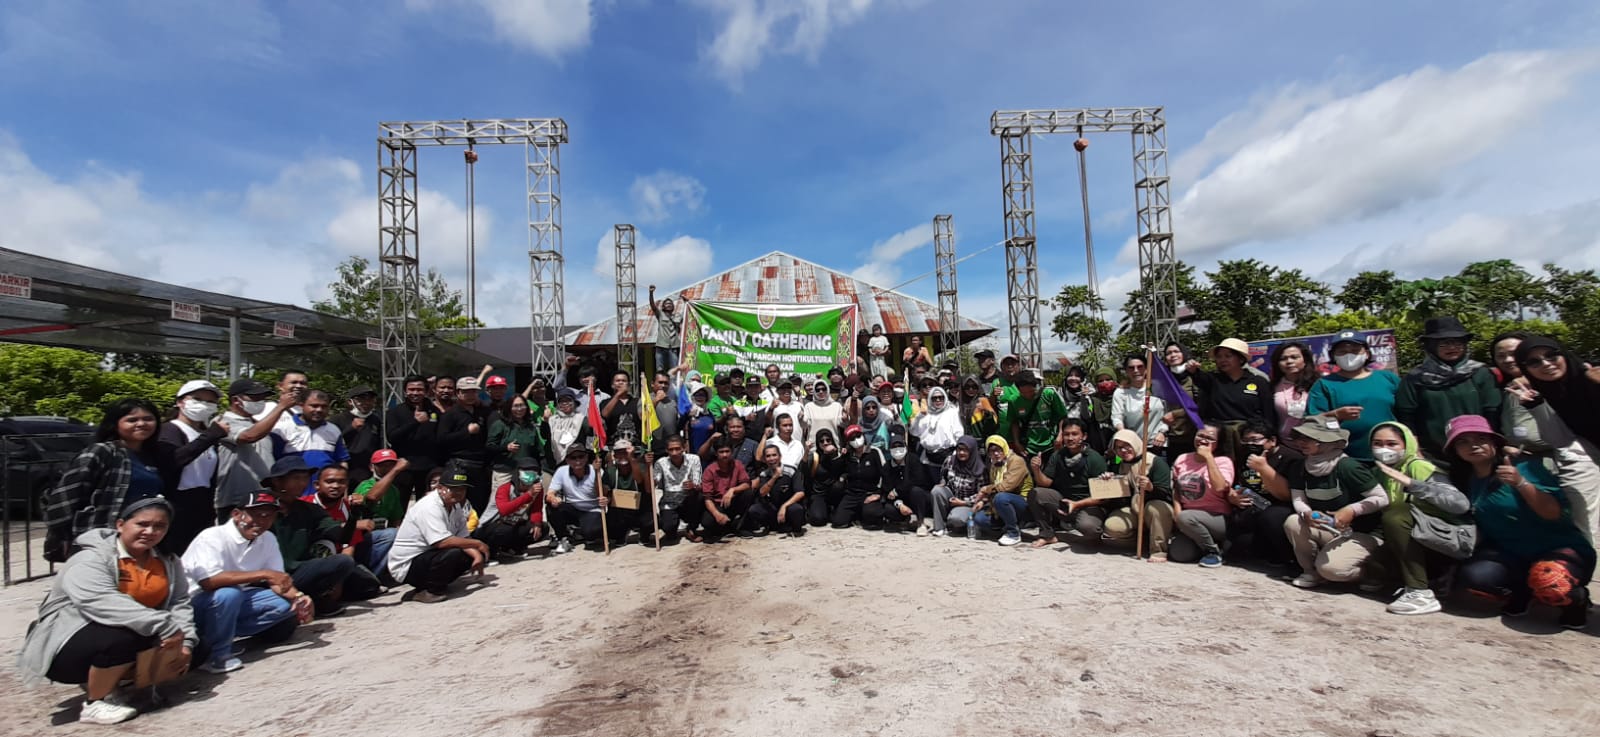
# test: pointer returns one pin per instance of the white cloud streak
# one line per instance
(550, 28)
(882, 267)
(754, 29)
(661, 196)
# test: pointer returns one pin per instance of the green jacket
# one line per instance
(527, 436)
(1426, 410)
(299, 526)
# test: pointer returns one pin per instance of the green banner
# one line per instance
(800, 339)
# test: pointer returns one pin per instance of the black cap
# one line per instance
(1027, 378)
(836, 371)
(786, 384)
(247, 387)
(287, 465)
(360, 391)
(579, 450)
(454, 475)
(985, 353)
(528, 463)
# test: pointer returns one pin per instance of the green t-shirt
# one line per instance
(391, 507)
(1008, 398)
(1035, 421)
(1346, 485)
(1069, 474)
(718, 405)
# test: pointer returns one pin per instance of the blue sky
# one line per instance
(231, 145)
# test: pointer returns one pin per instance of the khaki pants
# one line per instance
(1333, 557)
(1121, 525)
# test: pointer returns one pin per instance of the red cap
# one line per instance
(495, 381)
(384, 456)
(852, 430)
(263, 499)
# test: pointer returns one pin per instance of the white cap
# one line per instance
(197, 385)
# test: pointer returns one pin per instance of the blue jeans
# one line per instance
(378, 556)
(1010, 507)
(666, 359)
(230, 612)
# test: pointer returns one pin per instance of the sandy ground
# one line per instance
(868, 633)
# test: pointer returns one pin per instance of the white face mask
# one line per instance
(898, 454)
(857, 443)
(198, 411)
(1179, 369)
(255, 407)
(1388, 456)
(358, 412)
(1350, 361)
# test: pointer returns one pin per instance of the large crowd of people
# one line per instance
(255, 509)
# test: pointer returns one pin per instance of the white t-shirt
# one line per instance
(579, 493)
(427, 523)
(200, 471)
(221, 549)
(823, 417)
(791, 452)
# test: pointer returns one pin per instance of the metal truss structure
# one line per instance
(627, 303)
(1158, 272)
(944, 258)
(399, 249)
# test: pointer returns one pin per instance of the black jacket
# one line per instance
(417, 442)
(362, 441)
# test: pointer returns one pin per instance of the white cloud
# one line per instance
(881, 267)
(1305, 159)
(659, 196)
(1568, 236)
(672, 265)
(550, 28)
(754, 29)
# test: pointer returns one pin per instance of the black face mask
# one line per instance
(1256, 449)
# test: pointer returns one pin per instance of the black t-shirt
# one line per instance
(1228, 400)
(1069, 474)
(782, 489)
(863, 474)
(456, 438)
(624, 419)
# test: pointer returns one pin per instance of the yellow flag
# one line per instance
(648, 421)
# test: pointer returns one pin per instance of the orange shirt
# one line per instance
(147, 584)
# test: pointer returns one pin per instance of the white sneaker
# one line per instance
(1307, 580)
(924, 527)
(1010, 539)
(224, 666)
(1415, 601)
(940, 533)
(109, 710)
(562, 546)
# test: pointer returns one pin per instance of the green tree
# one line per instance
(356, 296)
(1504, 289)
(1136, 313)
(1375, 292)
(1575, 298)
(1249, 298)
(42, 380)
(1078, 320)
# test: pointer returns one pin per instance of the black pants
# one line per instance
(852, 508)
(192, 513)
(1498, 574)
(820, 505)
(689, 512)
(324, 579)
(412, 482)
(503, 535)
(565, 518)
(764, 513)
(737, 512)
(97, 646)
(1270, 542)
(434, 570)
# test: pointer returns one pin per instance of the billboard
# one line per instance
(800, 339)
(1380, 343)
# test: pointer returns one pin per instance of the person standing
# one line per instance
(621, 411)
(413, 430)
(462, 437)
(512, 439)
(1035, 416)
(1233, 394)
(192, 439)
(878, 348)
(123, 465)
(669, 331)
(1293, 373)
(361, 429)
(1128, 406)
(1358, 397)
(1561, 403)
(1447, 385)
(246, 454)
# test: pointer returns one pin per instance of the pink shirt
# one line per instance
(1192, 483)
(1291, 406)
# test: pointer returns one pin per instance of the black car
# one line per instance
(34, 452)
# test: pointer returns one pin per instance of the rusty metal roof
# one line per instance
(784, 279)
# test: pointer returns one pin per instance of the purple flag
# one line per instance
(1164, 385)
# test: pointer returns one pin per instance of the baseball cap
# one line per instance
(384, 456)
(1348, 336)
(467, 384)
(495, 381)
(1011, 357)
(852, 430)
(360, 391)
(568, 395)
(622, 444)
(985, 353)
(287, 465)
(454, 475)
(197, 385)
(248, 387)
(261, 500)
(1323, 428)
(579, 450)
(786, 384)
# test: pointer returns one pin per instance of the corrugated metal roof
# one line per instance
(784, 279)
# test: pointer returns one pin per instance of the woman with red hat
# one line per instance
(1528, 546)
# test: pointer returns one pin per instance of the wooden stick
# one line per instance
(649, 478)
(600, 497)
(1144, 458)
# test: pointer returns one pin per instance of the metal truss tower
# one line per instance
(627, 303)
(1158, 271)
(399, 249)
(944, 258)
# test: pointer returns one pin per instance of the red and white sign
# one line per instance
(12, 285)
(185, 311)
(374, 344)
(282, 329)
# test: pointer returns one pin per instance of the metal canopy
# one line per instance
(76, 306)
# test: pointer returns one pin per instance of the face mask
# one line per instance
(1256, 450)
(898, 454)
(1325, 459)
(1350, 361)
(1388, 456)
(1106, 387)
(858, 443)
(359, 412)
(198, 411)
(255, 407)
(1179, 369)
(528, 478)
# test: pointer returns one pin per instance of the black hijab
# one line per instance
(1574, 397)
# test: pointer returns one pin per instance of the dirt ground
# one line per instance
(868, 633)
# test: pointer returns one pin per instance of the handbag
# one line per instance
(1441, 536)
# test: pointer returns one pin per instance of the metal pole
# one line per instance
(1082, 145)
(233, 347)
(471, 157)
